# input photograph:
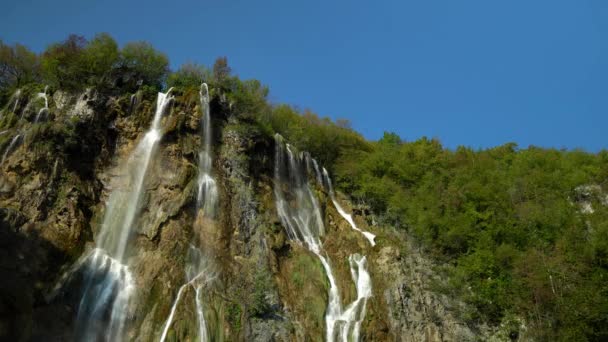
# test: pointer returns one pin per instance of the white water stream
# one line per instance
(45, 109)
(10, 147)
(299, 211)
(198, 271)
(108, 282)
(348, 217)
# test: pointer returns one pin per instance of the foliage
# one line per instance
(259, 305)
(189, 75)
(18, 66)
(221, 70)
(62, 65)
(77, 63)
(233, 313)
(507, 219)
(99, 57)
(142, 62)
(320, 136)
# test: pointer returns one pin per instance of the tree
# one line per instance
(344, 123)
(99, 57)
(390, 138)
(18, 66)
(140, 61)
(61, 63)
(188, 75)
(221, 70)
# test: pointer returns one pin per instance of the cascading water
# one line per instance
(299, 212)
(369, 236)
(17, 98)
(45, 110)
(198, 271)
(197, 275)
(10, 147)
(207, 189)
(108, 280)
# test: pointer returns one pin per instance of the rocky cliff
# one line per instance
(56, 178)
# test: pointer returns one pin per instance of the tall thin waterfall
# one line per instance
(207, 189)
(45, 110)
(198, 271)
(299, 211)
(369, 236)
(108, 281)
(10, 147)
(16, 97)
(197, 275)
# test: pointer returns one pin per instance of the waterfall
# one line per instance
(16, 97)
(198, 271)
(10, 148)
(299, 212)
(369, 236)
(45, 110)
(197, 275)
(108, 281)
(132, 102)
(207, 189)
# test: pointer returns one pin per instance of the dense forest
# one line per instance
(520, 233)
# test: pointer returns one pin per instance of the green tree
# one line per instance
(189, 75)
(99, 57)
(221, 70)
(140, 62)
(18, 66)
(62, 64)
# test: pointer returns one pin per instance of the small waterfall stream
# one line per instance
(348, 217)
(197, 274)
(23, 132)
(10, 147)
(17, 97)
(198, 271)
(108, 281)
(45, 109)
(300, 214)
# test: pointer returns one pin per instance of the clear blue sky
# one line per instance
(476, 73)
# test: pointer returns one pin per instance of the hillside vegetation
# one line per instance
(522, 233)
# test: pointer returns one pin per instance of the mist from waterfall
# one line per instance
(109, 283)
(300, 214)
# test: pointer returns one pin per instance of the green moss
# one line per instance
(9, 120)
(234, 312)
(262, 283)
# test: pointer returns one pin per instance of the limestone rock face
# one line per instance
(415, 312)
(54, 189)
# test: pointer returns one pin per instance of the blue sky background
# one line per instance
(476, 73)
